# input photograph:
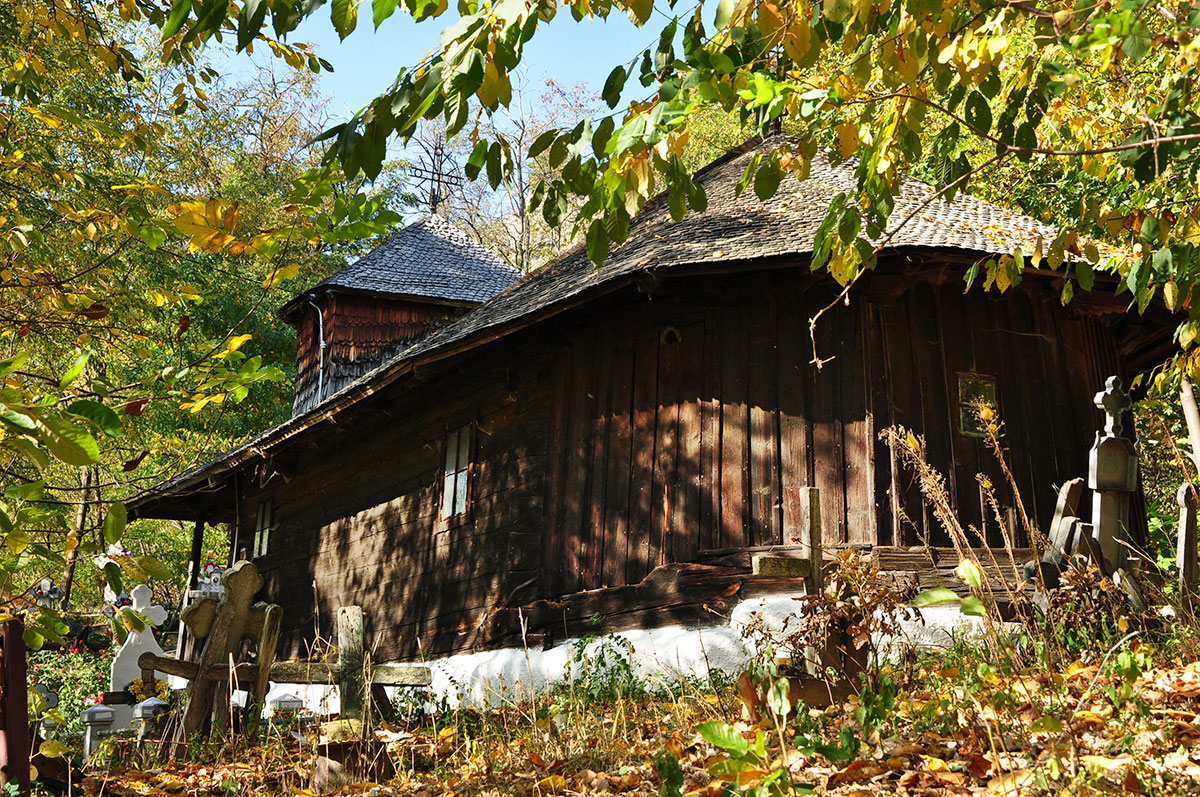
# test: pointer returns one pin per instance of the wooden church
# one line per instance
(468, 444)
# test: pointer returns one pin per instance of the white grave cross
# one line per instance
(125, 669)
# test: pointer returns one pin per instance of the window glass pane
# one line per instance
(464, 447)
(972, 391)
(460, 492)
(451, 451)
(448, 496)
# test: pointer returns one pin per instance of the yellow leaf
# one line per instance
(1009, 784)
(847, 135)
(797, 40)
(52, 749)
(1104, 762)
(236, 342)
(230, 218)
(552, 784)
(935, 764)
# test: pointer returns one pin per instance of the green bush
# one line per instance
(78, 678)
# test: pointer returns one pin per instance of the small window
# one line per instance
(974, 389)
(262, 527)
(455, 472)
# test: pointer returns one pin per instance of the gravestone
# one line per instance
(1112, 476)
(125, 668)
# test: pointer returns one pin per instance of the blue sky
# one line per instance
(367, 61)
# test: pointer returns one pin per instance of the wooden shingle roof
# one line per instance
(733, 229)
(429, 259)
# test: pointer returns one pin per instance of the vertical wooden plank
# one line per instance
(928, 358)
(685, 523)
(763, 395)
(964, 450)
(666, 426)
(792, 362)
(351, 661)
(710, 435)
(904, 395)
(856, 427)
(599, 391)
(1016, 403)
(734, 427)
(879, 416)
(620, 464)
(828, 462)
(575, 492)
(645, 410)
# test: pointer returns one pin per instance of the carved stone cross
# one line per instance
(224, 623)
(1114, 401)
(125, 667)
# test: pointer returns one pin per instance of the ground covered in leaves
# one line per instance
(951, 725)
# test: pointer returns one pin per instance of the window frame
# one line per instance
(264, 524)
(457, 467)
(967, 426)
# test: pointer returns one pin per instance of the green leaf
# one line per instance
(477, 160)
(250, 22)
(724, 736)
(344, 14)
(540, 144)
(104, 418)
(613, 86)
(178, 15)
(75, 370)
(725, 13)
(1085, 275)
(154, 568)
(973, 606)
(969, 572)
(13, 363)
(114, 522)
(17, 541)
(33, 640)
(597, 243)
(767, 178)
(70, 442)
(977, 112)
(935, 596)
(112, 577)
(382, 9)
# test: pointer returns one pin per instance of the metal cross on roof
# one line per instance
(1114, 401)
(436, 173)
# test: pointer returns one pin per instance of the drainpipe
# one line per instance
(320, 352)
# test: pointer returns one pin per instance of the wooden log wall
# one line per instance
(650, 427)
(357, 512)
(688, 421)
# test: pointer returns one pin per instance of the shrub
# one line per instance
(77, 677)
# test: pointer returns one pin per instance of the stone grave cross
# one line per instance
(125, 668)
(1114, 401)
(1112, 476)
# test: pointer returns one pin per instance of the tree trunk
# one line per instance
(1191, 414)
(68, 576)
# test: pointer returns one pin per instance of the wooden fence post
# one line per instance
(810, 536)
(14, 707)
(351, 660)
(1185, 549)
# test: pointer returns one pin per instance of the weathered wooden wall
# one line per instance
(359, 332)
(356, 514)
(647, 427)
(688, 422)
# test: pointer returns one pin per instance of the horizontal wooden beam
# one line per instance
(290, 672)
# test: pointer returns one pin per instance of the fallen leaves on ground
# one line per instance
(948, 734)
